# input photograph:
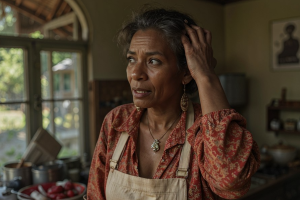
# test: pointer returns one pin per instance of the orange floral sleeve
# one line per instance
(96, 184)
(226, 152)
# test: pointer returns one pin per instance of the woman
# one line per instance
(163, 146)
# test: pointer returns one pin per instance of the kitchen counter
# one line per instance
(285, 187)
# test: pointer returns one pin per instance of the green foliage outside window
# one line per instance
(11, 74)
(7, 20)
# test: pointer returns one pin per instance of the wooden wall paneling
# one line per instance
(94, 113)
(105, 95)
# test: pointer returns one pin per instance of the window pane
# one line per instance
(12, 75)
(8, 20)
(45, 75)
(56, 82)
(12, 132)
(67, 127)
(64, 72)
(67, 82)
(47, 112)
(65, 66)
(60, 112)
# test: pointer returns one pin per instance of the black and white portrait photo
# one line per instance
(285, 44)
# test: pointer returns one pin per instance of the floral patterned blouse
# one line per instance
(224, 155)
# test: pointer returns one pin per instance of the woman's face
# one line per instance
(152, 71)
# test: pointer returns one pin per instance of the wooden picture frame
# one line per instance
(285, 43)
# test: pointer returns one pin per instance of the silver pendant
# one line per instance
(155, 146)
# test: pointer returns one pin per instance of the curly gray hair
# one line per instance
(170, 23)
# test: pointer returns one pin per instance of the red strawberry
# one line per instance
(70, 193)
(69, 185)
(55, 189)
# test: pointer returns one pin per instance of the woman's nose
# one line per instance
(138, 72)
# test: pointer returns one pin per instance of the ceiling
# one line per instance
(41, 11)
(223, 2)
(33, 14)
(36, 13)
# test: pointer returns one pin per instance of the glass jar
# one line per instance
(275, 124)
(290, 125)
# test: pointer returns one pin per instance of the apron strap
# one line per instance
(185, 153)
(184, 161)
(119, 149)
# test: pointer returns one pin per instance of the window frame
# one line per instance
(32, 69)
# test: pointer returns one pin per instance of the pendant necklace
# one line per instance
(155, 145)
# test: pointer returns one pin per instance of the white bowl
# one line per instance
(283, 156)
(81, 188)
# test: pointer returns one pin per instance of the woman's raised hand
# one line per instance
(198, 51)
(201, 63)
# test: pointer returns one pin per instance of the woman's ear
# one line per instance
(187, 77)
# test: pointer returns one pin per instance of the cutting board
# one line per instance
(42, 148)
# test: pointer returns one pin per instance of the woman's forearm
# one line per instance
(211, 93)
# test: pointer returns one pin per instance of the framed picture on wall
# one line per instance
(285, 40)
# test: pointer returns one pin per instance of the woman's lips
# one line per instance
(140, 93)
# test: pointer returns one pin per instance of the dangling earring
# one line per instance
(137, 108)
(184, 103)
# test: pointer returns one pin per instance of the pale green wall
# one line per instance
(241, 38)
(106, 17)
(247, 47)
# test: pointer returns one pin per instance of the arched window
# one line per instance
(58, 19)
(43, 75)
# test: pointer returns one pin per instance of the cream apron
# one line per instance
(122, 186)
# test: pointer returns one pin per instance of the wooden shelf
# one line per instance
(290, 108)
(274, 112)
(285, 131)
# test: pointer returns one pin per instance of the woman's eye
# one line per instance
(130, 60)
(154, 61)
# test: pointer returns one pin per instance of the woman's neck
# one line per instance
(162, 119)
